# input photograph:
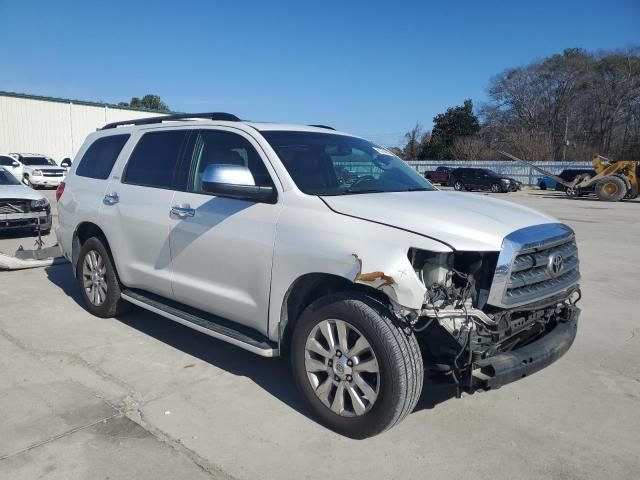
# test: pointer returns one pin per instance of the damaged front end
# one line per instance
(473, 326)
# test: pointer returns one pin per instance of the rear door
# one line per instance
(221, 255)
(137, 206)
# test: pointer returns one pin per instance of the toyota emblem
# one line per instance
(556, 263)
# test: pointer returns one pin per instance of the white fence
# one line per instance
(518, 171)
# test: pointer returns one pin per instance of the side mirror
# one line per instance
(66, 162)
(235, 181)
(15, 164)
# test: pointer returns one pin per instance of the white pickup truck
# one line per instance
(322, 246)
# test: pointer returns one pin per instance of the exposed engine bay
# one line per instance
(458, 330)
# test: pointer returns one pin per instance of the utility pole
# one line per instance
(566, 132)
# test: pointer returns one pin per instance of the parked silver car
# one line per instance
(22, 208)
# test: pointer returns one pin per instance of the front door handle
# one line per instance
(183, 211)
(111, 198)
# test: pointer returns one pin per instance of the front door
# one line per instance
(222, 248)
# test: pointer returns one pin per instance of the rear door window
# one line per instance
(100, 157)
(156, 159)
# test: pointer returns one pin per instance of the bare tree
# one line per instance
(470, 147)
(573, 104)
(411, 150)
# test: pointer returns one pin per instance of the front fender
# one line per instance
(316, 240)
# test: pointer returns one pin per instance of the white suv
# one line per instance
(39, 170)
(304, 241)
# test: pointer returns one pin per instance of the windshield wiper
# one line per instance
(366, 190)
(419, 189)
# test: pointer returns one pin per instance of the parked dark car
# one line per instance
(440, 175)
(482, 179)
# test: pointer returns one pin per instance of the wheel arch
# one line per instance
(81, 234)
(310, 287)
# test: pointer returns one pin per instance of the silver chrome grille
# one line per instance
(535, 263)
(52, 173)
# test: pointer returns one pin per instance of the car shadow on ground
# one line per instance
(273, 375)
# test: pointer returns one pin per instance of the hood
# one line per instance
(19, 191)
(465, 221)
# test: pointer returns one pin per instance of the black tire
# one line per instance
(611, 189)
(496, 188)
(401, 371)
(459, 186)
(112, 304)
(543, 186)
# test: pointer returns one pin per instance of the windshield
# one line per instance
(7, 179)
(331, 164)
(33, 161)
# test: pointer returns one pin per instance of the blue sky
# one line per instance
(372, 68)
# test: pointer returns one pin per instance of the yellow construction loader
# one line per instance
(612, 182)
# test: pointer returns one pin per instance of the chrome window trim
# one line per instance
(522, 241)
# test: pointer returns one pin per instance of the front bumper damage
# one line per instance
(16, 221)
(503, 368)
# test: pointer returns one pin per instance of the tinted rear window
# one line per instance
(155, 159)
(100, 157)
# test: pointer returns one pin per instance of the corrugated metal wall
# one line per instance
(518, 171)
(53, 128)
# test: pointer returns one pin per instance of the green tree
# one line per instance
(148, 102)
(456, 122)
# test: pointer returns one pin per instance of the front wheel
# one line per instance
(357, 368)
(496, 188)
(611, 189)
(459, 186)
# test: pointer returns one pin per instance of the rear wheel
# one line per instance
(611, 189)
(359, 370)
(459, 186)
(98, 280)
(543, 186)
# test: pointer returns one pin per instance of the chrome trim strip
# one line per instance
(528, 240)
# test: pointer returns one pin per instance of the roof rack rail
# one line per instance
(323, 126)
(226, 117)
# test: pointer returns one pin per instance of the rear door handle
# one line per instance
(111, 199)
(183, 211)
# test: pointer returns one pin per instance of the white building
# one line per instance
(54, 127)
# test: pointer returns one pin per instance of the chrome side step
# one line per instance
(208, 324)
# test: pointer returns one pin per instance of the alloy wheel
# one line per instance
(93, 277)
(495, 188)
(342, 368)
(458, 186)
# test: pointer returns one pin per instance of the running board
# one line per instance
(206, 323)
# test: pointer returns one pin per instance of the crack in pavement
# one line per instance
(130, 409)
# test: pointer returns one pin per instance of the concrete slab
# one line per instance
(229, 411)
(117, 448)
(36, 405)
